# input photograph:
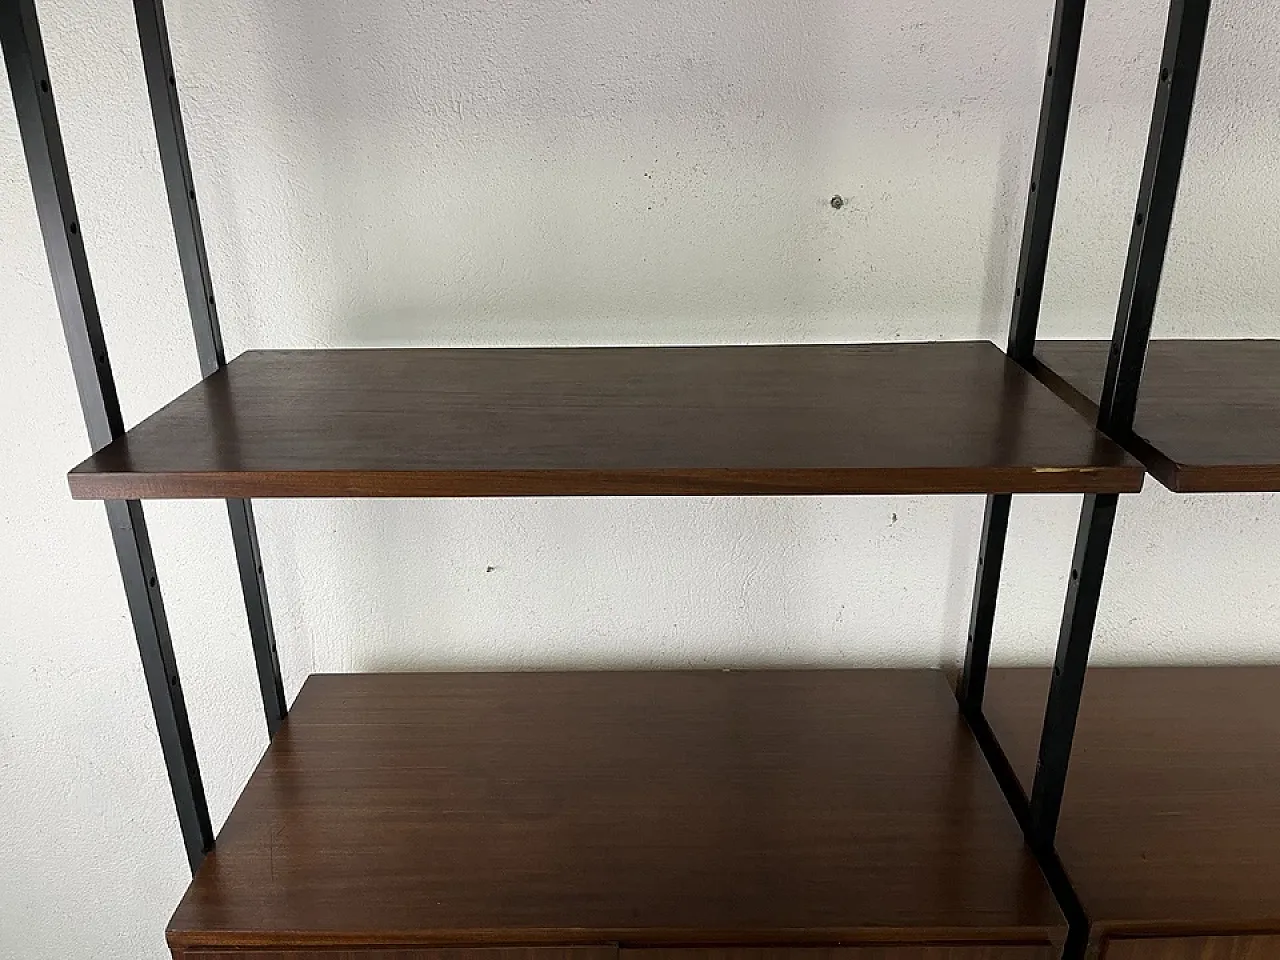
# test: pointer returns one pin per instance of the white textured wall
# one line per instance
(566, 172)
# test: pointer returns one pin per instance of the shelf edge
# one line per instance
(1121, 478)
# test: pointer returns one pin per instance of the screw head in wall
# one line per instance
(837, 202)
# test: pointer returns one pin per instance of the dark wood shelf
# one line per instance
(1171, 821)
(641, 809)
(872, 419)
(1208, 413)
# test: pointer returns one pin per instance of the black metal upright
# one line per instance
(166, 113)
(1170, 123)
(33, 101)
(1037, 230)
(1157, 194)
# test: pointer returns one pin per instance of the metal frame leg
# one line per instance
(1037, 230)
(1166, 144)
(1170, 124)
(1046, 175)
(982, 615)
(60, 226)
(1153, 219)
(142, 588)
(1088, 564)
(166, 113)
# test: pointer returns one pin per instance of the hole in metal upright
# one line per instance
(166, 114)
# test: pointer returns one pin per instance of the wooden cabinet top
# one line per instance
(708, 807)
(1171, 817)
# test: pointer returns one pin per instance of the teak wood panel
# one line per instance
(877, 952)
(1194, 948)
(1171, 815)
(881, 418)
(894, 952)
(605, 952)
(842, 806)
(1208, 415)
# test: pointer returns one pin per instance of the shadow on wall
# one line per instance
(568, 172)
(496, 173)
(484, 172)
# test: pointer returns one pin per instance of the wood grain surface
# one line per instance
(1171, 817)
(603, 952)
(883, 418)
(1208, 412)
(1194, 948)
(821, 807)
(895, 952)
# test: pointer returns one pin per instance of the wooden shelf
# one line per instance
(766, 808)
(1171, 822)
(1208, 413)
(877, 419)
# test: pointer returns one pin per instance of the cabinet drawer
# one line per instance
(976, 951)
(405, 953)
(893, 951)
(1194, 948)
(883, 952)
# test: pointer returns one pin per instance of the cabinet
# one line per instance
(1171, 817)
(1194, 948)
(899, 952)
(758, 808)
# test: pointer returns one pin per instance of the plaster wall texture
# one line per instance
(491, 172)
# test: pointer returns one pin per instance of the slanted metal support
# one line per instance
(175, 163)
(1170, 124)
(1157, 195)
(1153, 219)
(1037, 230)
(982, 615)
(33, 102)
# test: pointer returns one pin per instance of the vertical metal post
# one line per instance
(1153, 219)
(60, 225)
(1046, 175)
(175, 163)
(1157, 194)
(982, 614)
(1037, 230)
(1075, 636)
